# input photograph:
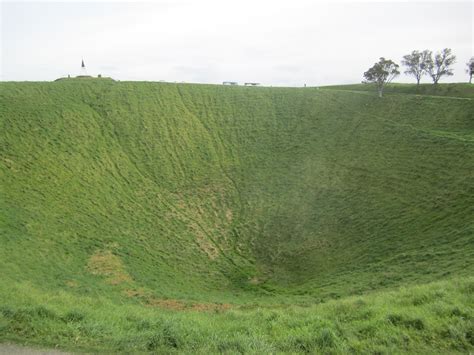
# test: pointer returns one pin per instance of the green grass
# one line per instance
(460, 90)
(436, 318)
(209, 213)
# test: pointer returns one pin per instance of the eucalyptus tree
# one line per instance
(416, 64)
(440, 65)
(381, 73)
(470, 69)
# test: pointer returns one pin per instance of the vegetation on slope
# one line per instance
(451, 90)
(210, 198)
(436, 318)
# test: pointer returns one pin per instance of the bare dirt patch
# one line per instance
(13, 349)
(178, 305)
(173, 304)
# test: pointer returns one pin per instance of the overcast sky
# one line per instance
(279, 42)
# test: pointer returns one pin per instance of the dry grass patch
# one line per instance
(174, 304)
(105, 263)
(72, 283)
(204, 243)
(177, 305)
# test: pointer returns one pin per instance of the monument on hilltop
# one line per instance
(83, 72)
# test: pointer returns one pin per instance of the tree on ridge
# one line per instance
(381, 73)
(440, 65)
(470, 69)
(416, 64)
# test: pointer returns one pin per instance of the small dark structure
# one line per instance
(252, 84)
(84, 75)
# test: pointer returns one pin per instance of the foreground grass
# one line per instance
(432, 318)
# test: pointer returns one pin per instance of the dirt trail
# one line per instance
(23, 350)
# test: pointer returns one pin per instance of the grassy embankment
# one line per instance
(460, 90)
(145, 216)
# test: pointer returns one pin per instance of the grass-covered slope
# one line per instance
(435, 318)
(459, 90)
(201, 197)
